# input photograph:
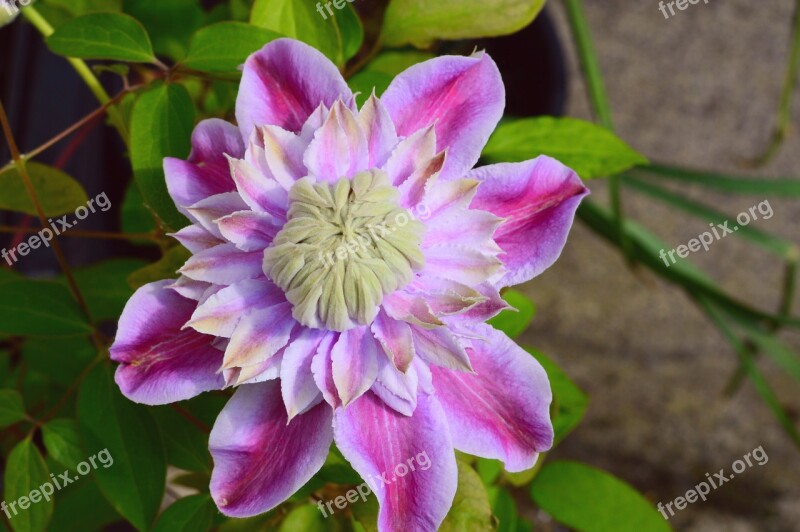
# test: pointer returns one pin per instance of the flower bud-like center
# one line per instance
(344, 247)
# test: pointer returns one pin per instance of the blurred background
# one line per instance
(701, 90)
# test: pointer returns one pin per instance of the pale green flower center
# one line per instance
(344, 247)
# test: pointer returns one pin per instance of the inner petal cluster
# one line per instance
(343, 248)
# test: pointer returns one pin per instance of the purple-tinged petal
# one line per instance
(460, 263)
(410, 155)
(538, 198)
(189, 288)
(412, 190)
(207, 211)
(195, 238)
(260, 192)
(223, 264)
(249, 230)
(410, 308)
(268, 370)
(220, 312)
(283, 154)
(396, 339)
(355, 363)
(283, 83)
(159, 362)
(503, 410)
(467, 228)
(259, 335)
(463, 96)
(440, 348)
(487, 309)
(444, 197)
(298, 388)
(339, 148)
(379, 129)
(322, 368)
(381, 443)
(395, 388)
(260, 458)
(446, 297)
(206, 172)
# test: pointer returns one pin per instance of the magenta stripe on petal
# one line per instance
(160, 363)
(383, 444)
(538, 198)
(463, 96)
(283, 83)
(260, 458)
(503, 410)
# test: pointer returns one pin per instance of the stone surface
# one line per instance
(700, 90)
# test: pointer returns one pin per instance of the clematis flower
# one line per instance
(344, 263)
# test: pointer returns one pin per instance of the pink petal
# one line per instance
(444, 197)
(411, 308)
(460, 263)
(189, 288)
(260, 458)
(259, 335)
(379, 129)
(503, 410)
(463, 96)
(207, 211)
(283, 84)
(355, 363)
(339, 148)
(298, 388)
(220, 312)
(260, 192)
(461, 227)
(195, 238)
(439, 347)
(539, 199)
(396, 339)
(223, 264)
(322, 368)
(159, 362)
(410, 155)
(395, 388)
(383, 444)
(249, 230)
(412, 190)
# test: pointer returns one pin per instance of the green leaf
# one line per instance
(134, 483)
(240, 40)
(39, 308)
(186, 445)
(136, 217)
(365, 82)
(81, 7)
(62, 360)
(569, 401)
(471, 509)
(420, 22)
(590, 500)
(592, 151)
(307, 518)
(352, 31)
(11, 408)
(161, 126)
(504, 508)
(25, 472)
(299, 19)
(759, 186)
(104, 288)
(170, 23)
(82, 507)
(62, 440)
(195, 512)
(113, 36)
(366, 513)
(58, 193)
(489, 470)
(514, 322)
(165, 268)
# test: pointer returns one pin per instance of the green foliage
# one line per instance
(62, 440)
(307, 518)
(161, 126)
(113, 36)
(189, 514)
(25, 472)
(471, 508)
(39, 308)
(588, 499)
(592, 151)
(104, 286)
(185, 444)
(420, 22)
(206, 54)
(58, 192)
(11, 408)
(134, 484)
(170, 23)
(514, 321)
(165, 268)
(81, 7)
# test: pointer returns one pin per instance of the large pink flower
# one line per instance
(344, 263)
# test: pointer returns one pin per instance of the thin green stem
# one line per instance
(40, 23)
(599, 101)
